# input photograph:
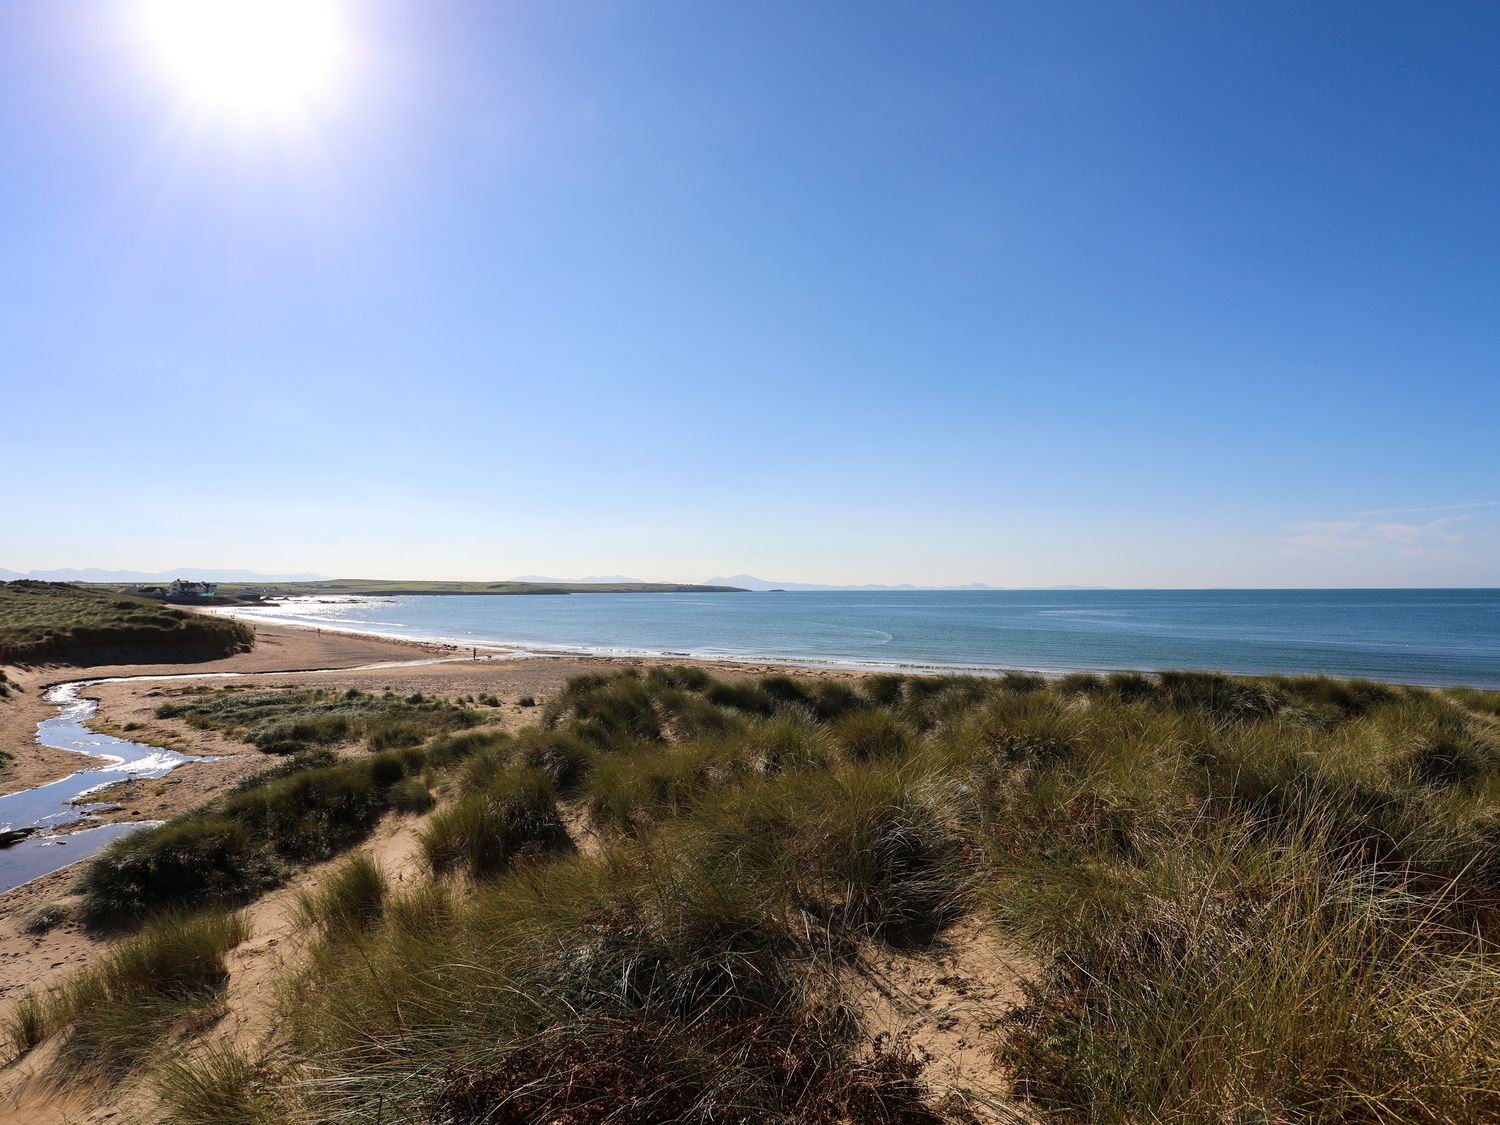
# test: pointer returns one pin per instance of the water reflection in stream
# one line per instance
(36, 814)
(58, 804)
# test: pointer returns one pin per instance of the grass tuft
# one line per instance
(351, 897)
(140, 991)
(490, 827)
(214, 1086)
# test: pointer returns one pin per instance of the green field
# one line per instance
(47, 622)
(1241, 900)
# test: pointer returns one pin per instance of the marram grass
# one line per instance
(1239, 900)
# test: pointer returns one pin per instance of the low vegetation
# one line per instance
(43, 622)
(8, 689)
(217, 1086)
(249, 839)
(501, 815)
(312, 805)
(284, 721)
(45, 918)
(162, 980)
(348, 900)
(1243, 900)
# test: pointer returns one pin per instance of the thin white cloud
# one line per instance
(1378, 512)
(1428, 537)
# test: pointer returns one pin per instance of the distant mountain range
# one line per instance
(197, 573)
(591, 580)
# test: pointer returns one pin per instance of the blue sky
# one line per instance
(1114, 294)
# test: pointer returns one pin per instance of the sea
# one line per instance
(1434, 637)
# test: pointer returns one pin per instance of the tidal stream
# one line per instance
(31, 843)
(34, 817)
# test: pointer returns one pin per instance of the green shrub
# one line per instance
(485, 830)
(832, 699)
(633, 791)
(26, 1024)
(786, 689)
(1218, 696)
(305, 760)
(1346, 699)
(564, 757)
(44, 622)
(742, 695)
(242, 842)
(1022, 683)
(311, 814)
(1234, 978)
(1133, 687)
(866, 850)
(193, 861)
(1248, 900)
(289, 721)
(1082, 683)
(791, 740)
(1483, 702)
(448, 749)
(680, 676)
(884, 690)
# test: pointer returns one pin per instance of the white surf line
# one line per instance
(521, 650)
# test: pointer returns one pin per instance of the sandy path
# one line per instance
(948, 1001)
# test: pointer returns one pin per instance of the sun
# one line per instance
(271, 59)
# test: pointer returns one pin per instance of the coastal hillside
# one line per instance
(53, 622)
(393, 587)
(912, 900)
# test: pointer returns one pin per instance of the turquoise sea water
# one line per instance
(1413, 636)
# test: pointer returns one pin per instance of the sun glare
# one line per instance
(251, 58)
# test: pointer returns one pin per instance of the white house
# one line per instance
(182, 588)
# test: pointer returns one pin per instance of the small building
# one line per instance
(181, 588)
